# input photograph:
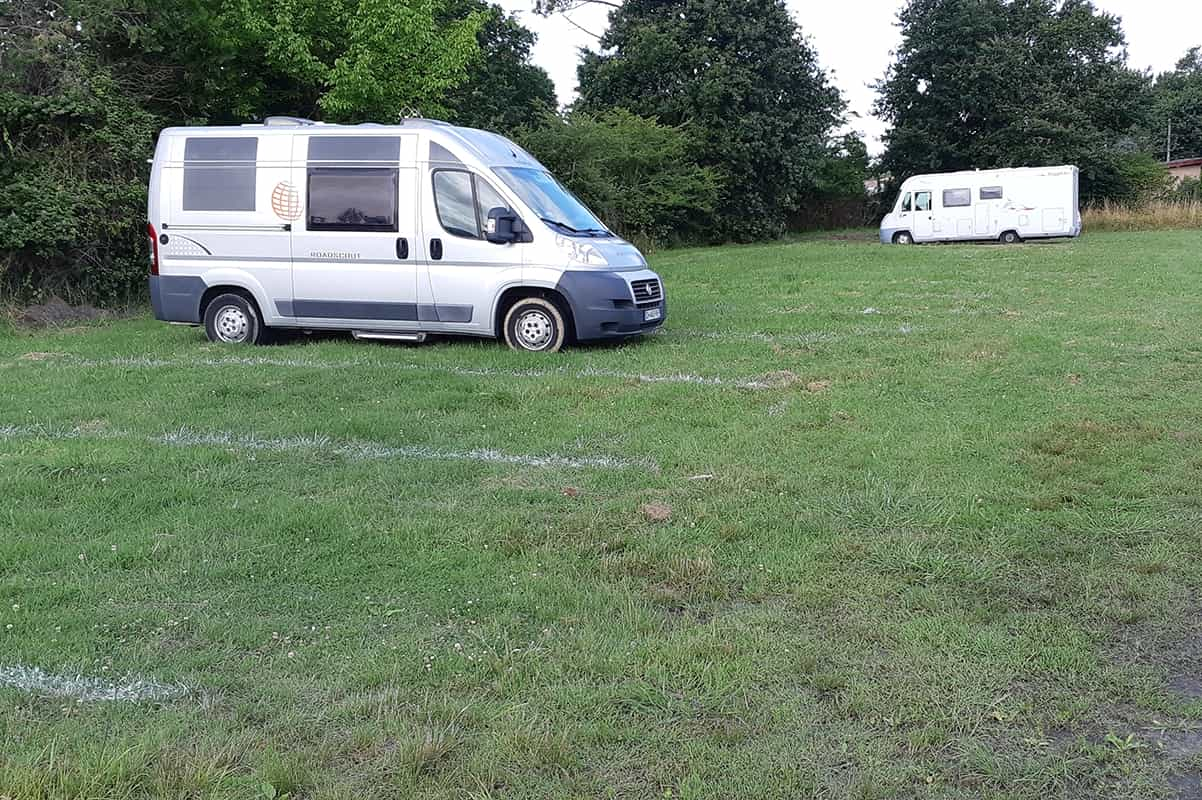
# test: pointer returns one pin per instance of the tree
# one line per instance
(1007, 83)
(1177, 99)
(635, 173)
(85, 85)
(738, 75)
(503, 91)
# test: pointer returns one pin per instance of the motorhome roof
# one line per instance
(986, 172)
(490, 148)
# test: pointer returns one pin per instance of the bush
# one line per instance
(632, 171)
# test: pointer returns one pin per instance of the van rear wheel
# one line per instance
(232, 319)
(534, 325)
(1011, 237)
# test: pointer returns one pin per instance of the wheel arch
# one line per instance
(512, 294)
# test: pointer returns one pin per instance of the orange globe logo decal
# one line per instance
(285, 201)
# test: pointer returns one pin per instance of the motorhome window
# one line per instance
(352, 199)
(991, 193)
(551, 201)
(905, 203)
(487, 198)
(219, 173)
(957, 198)
(922, 201)
(354, 148)
(455, 202)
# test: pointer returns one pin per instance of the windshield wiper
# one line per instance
(595, 231)
(563, 225)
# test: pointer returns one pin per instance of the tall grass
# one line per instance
(1153, 215)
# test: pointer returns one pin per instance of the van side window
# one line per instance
(463, 201)
(352, 199)
(219, 173)
(905, 203)
(922, 201)
(957, 198)
(991, 193)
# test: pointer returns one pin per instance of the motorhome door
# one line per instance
(355, 231)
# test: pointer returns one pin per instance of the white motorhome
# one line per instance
(1006, 205)
(388, 231)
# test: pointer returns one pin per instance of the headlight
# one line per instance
(579, 252)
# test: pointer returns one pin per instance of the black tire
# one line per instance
(1010, 237)
(232, 319)
(903, 237)
(535, 325)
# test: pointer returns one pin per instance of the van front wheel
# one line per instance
(231, 319)
(534, 325)
(903, 237)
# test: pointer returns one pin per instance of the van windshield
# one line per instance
(553, 203)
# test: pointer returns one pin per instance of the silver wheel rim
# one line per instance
(231, 324)
(903, 238)
(534, 329)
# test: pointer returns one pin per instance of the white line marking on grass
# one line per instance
(131, 689)
(370, 451)
(351, 450)
(146, 362)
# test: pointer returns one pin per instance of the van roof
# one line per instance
(491, 149)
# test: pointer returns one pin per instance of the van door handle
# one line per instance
(436, 249)
(402, 247)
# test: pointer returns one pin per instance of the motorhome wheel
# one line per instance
(534, 325)
(230, 319)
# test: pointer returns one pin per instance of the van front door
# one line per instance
(354, 244)
(924, 217)
(465, 269)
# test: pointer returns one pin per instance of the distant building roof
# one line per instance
(1184, 162)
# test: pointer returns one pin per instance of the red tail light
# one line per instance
(154, 249)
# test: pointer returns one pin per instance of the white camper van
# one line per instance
(390, 232)
(1006, 205)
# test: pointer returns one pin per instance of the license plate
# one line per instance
(650, 314)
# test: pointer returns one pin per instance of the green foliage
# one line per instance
(86, 85)
(636, 173)
(1177, 97)
(74, 144)
(1007, 83)
(1188, 190)
(503, 90)
(759, 109)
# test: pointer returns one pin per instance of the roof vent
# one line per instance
(288, 121)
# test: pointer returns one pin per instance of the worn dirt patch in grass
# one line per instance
(57, 313)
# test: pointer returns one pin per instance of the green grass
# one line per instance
(947, 546)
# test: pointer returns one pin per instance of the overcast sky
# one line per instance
(854, 39)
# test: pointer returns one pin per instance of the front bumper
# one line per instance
(603, 308)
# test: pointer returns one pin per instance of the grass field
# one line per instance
(862, 522)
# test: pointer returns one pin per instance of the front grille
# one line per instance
(647, 291)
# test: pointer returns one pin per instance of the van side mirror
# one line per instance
(503, 227)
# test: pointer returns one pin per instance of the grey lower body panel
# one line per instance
(369, 309)
(176, 298)
(602, 308)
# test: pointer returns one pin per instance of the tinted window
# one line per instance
(957, 198)
(991, 193)
(905, 203)
(487, 198)
(219, 174)
(354, 148)
(455, 202)
(922, 201)
(352, 199)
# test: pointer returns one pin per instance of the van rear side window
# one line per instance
(219, 173)
(957, 198)
(991, 193)
(352, 199)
